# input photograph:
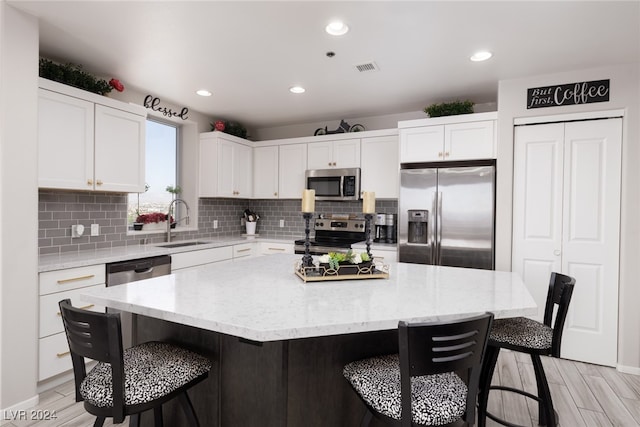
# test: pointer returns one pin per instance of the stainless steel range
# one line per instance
(333, 234)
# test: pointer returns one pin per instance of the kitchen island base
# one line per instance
(290, 383)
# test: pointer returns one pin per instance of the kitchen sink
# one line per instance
(182, 244)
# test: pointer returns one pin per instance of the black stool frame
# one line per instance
(98, 336)
(434, 348)
(560, 292)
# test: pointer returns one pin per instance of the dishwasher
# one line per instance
(123, 272)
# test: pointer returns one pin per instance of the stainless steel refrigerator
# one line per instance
(446, 214)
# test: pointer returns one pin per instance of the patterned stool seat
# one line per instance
(522, 332)
(152, 370)
(436, 399)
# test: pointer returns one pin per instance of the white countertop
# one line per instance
(261, 298)
(122, 253)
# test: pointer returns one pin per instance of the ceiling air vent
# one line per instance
(369, 66)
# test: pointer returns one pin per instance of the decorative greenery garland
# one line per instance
(449, 108)
(73, 75)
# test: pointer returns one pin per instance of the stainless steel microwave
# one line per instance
(334, 184)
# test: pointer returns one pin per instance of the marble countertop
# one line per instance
(261, 298)
(122, 253)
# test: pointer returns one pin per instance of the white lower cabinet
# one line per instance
(385, 255)
(53, 350)
(270, 248)
(244, 250)
(188, 259)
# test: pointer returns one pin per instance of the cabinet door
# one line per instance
(292, 166)
(422, 144)
(265, 172)
(320, 155)
(242, 171)
(225, 168)
(65, 142)
(473, 140)
(346, 153)
(270, 248)
(380, 166)
(119, 150)
(208, 167)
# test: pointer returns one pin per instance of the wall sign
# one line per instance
(153, 103)
(568, 94)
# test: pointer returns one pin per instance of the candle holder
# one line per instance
(307, 259)
(367, 232)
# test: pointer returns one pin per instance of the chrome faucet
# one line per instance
(186, 218)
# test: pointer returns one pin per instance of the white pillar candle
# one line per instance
(308, 200)
(368, 202)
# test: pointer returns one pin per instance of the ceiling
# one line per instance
(249, 53)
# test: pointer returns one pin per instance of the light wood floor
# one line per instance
(583, 395)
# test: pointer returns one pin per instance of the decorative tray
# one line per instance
(322, 272)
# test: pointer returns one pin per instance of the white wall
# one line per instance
(18, 208)
(388, 121)
(625, 94)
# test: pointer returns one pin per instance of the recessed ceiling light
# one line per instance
(337, 28)
(296, 89)
(481, 56)
(203, 92)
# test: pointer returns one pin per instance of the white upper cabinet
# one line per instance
(344, 153)
(380, 166)
(464, 137)
(265, 172)
(226, 166)
(119, 161)
(89, 142)
(293, 165)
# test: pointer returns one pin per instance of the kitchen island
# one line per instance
(279, 344)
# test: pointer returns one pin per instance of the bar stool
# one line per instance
(531, 337)
(132, 381)
(420, 385)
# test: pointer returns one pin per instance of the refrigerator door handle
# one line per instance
(431, 233)
(438, 228)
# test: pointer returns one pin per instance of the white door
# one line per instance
(292, 164)
(346, 153)
(590, 238)
(473, 140)
(567, 219)
(265, 172)
(320, 155)
(422, 144)
(380, 166)
(537, 206)
(242, 171)
(65, 141)
(119, 150)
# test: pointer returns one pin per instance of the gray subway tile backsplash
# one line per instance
(59, 210)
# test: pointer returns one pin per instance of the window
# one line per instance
(161, 170)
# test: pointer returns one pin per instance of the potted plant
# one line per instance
(153, 220)
(174, 190)
(339, 263)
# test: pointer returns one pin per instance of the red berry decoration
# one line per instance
(219, 125)
(115, 83)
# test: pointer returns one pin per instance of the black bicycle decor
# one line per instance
(343, 128)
